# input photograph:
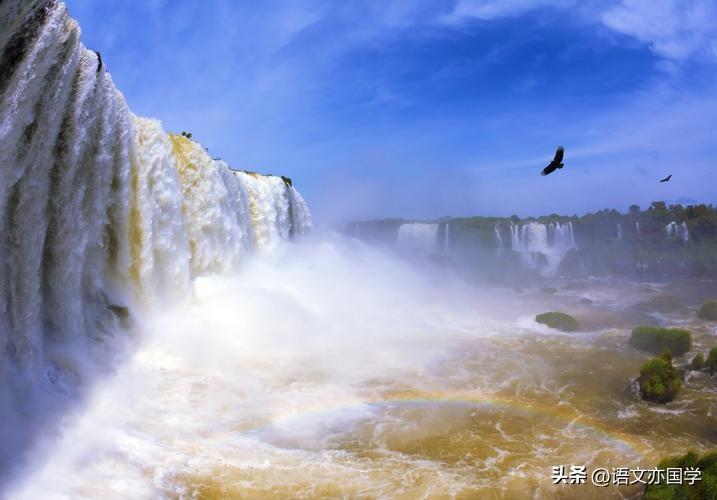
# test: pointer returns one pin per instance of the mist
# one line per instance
(271, 365)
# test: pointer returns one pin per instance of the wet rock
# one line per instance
(708, 311)
(559, 321)
(698, 362)
(711, 362)
(122, 314)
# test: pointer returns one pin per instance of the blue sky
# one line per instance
(433, 107)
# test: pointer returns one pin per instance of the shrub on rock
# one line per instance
(655, 340)
(698, 362)
(705, 488)
(711, 362)
(558, 320)
(708, 311)
(659, 380)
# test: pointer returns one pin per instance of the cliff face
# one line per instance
(661, 240)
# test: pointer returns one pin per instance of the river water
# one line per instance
(328, 369)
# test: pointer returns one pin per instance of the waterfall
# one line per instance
(619, 231)
(447, 237)
(535, 241)
(498, 239)
(637, 228)
(417, 238)
(679, 230)
(101, 211)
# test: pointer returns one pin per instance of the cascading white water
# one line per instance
(680, 230)
(619, 231)
(417, 238)
(498, 239)
(637, 228)
(533, 240)
(101, 211)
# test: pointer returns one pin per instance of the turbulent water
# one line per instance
(329, 369)
(102, 213)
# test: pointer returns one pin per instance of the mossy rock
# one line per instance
(711, 362)
(698, 362)
(655, 340)
(704, 489)
(559, 321)
(708, 311)
(663, 303)
(659, 380)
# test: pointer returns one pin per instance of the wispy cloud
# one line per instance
(492, 9)
(675, 29)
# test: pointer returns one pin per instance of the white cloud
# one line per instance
(492, 9)
(675, 29)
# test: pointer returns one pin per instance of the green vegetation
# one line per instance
(663, 303)
(643, 246)
(659, 380)
(559, 321)
(698, 362)
(655, 340)
(186, 134)
(704, 489)
(287, 180)
(711, 362)
(708, 310)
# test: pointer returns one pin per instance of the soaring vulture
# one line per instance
(556, 163)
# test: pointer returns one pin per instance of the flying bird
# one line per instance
(556, 163)
(666, 179)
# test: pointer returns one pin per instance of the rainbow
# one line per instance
(557, 413)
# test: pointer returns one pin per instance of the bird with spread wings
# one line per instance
(556, 163)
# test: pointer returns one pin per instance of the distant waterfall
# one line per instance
(535, 241)
(637, 228)
(101, 210)
(417, 238)
(498, 239)
(619, 231)
(447, 237)
(679, 230)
